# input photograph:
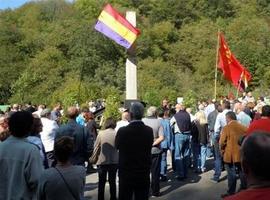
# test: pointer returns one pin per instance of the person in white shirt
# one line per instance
(39, 110)
(219, 124)
(192, 117)
(124, 121)
(48, 134)
(209, 108)
(221, 117)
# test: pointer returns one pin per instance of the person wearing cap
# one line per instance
(48, 134)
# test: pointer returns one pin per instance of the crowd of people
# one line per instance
(48, 159)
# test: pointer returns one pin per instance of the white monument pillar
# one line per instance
(131, 68)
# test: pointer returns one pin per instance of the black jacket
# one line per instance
(134, 143)
(200, 133)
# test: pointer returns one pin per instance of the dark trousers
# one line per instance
(155, 173)
(103, 170)
(218, 158)
(173, 160)
(231, 169)
(128, 188)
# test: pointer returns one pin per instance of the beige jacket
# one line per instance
(108, 153)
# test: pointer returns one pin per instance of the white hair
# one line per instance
(151, 111)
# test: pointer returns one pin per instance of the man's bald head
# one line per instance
(238, 107)
(125, 116)
(179, 107)
(72, 112)
(255, 152)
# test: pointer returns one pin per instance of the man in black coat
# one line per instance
(83, 142)
(134, 143)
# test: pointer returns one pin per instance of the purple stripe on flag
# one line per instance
(101, 27)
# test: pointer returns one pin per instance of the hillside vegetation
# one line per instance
(49, 50)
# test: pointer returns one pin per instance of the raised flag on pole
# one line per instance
(116, 27)
(231, 67)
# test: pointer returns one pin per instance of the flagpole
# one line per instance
(216, 69)
(239, 84)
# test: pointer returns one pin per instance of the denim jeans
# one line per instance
(231, 171)
(182, 154)
(163, 163)
(218, 158)
(203, 156)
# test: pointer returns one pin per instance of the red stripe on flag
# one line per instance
(111, 11)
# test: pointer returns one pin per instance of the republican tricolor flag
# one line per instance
(116, 27)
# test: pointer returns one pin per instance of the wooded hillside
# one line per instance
(45, 47)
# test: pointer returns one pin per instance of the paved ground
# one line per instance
(196, 187)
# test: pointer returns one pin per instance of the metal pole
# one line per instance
(216, 69)
(239, 84)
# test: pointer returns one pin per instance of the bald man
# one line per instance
(83, 141)
(242, 117)
(124, 121)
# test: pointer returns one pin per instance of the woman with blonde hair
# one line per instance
(200, 130)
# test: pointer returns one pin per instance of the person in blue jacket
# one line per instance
(167, 143)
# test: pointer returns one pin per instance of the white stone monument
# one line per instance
(131, 68)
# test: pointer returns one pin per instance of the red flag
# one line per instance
(231, 67)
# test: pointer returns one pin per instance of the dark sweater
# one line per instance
(183, 121)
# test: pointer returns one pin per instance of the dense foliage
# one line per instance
(50, 52)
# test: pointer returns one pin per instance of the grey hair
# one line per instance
(136, 110)
(152, 111)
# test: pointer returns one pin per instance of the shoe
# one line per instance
(155, 195)
(180, 178)
(91, 171)
(197, 171)
(203, 170)
(225, 195)
(215, 180)
(163, 178)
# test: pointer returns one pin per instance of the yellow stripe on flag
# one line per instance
(113, 24)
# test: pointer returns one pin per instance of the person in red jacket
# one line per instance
(255, 162)
(262, 124)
